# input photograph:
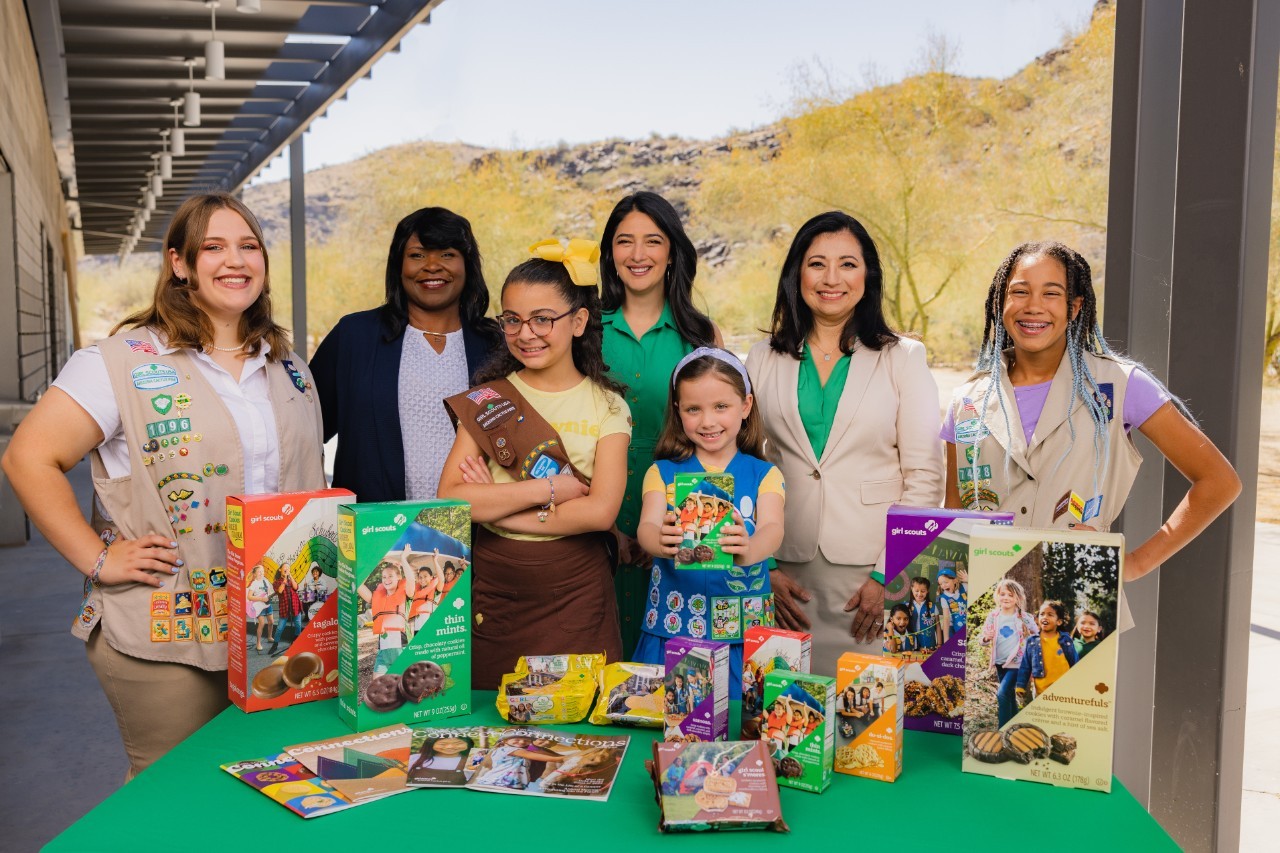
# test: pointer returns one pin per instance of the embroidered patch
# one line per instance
(1107, 397)
(202, 606)
(217, 578)
(182, 603)
(726, 618)
(653, 593)
(651, 618)
(538, 464)
(971, 431)
(161, 605)
(161, 631)
(1076, 507)
(970, 453)
(672, 623)
(204, 630)
(153, 377)
(219, 597)
(982, 499)
(141, 346)
(697, 627)
(965, 474)
(162, 403)
(496, 413)
(480, 395)
(220, 627)
(698, 604)
(1092, 507)
(182, 401)
(182, 628)
(199, 579)
(752, 612)
(675, 601)
(176, 495)
(179, 475)
(1061, 506)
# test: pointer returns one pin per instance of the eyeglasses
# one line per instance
(540, 324)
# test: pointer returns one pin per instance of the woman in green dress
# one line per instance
(647, 267)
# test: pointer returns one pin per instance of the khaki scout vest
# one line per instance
(1038, 490)
(185, 458)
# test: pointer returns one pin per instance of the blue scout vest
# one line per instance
(956, 606)
(709, 604)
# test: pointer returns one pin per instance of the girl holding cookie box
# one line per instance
(541, 456)
(711, 425)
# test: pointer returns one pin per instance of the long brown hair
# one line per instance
(175, 316)
(674, 444)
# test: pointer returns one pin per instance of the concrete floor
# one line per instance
(62, 753)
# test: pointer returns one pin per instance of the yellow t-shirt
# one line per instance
(1055, 662)
(582, 415)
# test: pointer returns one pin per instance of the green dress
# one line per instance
(645, 366)
(818, 402)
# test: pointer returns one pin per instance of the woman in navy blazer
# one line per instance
(434, 285)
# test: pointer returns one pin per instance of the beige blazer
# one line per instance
(883, 449)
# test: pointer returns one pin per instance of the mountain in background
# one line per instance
(948, 174)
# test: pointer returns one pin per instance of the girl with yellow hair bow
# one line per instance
(541, 456)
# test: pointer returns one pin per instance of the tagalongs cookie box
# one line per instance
(404, 612)
(926, 585)
(1030, 588)
(282, 619)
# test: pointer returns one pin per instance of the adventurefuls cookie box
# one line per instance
(281, 611)
(1041, 657)
(404, 612)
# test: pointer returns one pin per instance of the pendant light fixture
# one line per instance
(177, 136)
(191, 100)
(148, 200)
(157, 185)
(215, 52)
(166, 159)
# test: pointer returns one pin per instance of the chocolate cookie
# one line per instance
(918, 699)
(789, 768)
(703, 553)
(383, 693)
(1024, 742)
(269, 682)
(299, 668)
(420, 680)
(987, 746)
(684, 555)
(1062, 748)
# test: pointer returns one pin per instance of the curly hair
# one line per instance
(587, 349)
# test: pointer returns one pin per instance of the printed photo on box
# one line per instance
(1041, 663)
(704, 504)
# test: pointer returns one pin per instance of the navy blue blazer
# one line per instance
(356, 370)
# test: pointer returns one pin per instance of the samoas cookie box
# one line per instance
(404, 612)
(282, 613)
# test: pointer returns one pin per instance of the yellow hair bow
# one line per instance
(580, 257)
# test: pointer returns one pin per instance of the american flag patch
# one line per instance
(481, 394)
(142, 346)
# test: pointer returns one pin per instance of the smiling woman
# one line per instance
(201, 380)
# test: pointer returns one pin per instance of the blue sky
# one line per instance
(519, 74)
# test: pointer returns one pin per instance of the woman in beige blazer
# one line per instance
(851, 413)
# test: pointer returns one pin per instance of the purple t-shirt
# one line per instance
(1142, 397)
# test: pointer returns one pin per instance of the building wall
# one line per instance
(35, 340)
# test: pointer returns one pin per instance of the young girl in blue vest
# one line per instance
(1042, 429)
(711, 425)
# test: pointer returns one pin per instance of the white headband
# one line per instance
(718, 354)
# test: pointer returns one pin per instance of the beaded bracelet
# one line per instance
(550, 506)
(95, 576)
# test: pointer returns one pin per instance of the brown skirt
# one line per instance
(540, 598)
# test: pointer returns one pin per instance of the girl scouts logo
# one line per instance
(971, 431)
(153, 377)
(295, 375)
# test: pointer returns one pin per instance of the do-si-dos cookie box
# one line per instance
(281, 607)
(404, 612)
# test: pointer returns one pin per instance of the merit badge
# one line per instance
(1092, 507)
(219, 597)
(295, 375)
(672, 623)
(182, 401)
(651, 618)
(141, 346)
(654, 597)
(1106, 397)
(220, 628)
(204, 630)
(971, 454)
(1076, 507)
(675, 601)
(153, 377)
(697, 627)
(1061, 506)
(182, 603)
(217, 578)
(199, 579)
(161, 604)
(179, 475)
(161, 631)
(698, 604)
(182, 628)
(162, 403)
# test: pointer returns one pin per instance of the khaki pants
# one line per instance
(157, 705)
(831, 585)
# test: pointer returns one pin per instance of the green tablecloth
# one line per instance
(185, 802)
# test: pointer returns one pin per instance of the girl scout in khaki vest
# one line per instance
(1042, 427)
(198, 398)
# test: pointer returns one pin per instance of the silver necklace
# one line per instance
(826, 356)
(236, 348)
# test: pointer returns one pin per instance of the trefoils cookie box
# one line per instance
(869, 716)
(281, 606)
(404, 612)
(763, 651)
(1034, 590)
(800, 728)
(925, 607)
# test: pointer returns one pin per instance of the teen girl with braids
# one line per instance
(541, 456)
(647, 268)
(1042, 428)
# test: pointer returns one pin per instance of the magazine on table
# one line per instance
(360, 766)
(515, 760)
(283, 779)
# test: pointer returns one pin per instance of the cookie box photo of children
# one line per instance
(863, 701)
(686, 685)
(1024, 625)
(923, 607)
(793, 716)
